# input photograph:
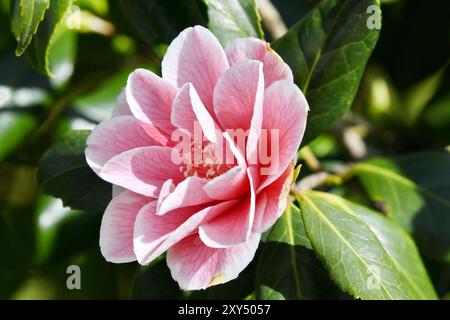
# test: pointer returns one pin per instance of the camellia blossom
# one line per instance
(208, 215)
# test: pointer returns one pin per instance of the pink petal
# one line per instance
(116, 231)
(272, 201)
(195, 266)
(251, 48)
(236, 95)
(167, 188)
(150, 99)
(154, 234)
(112, 137)
(229, 185)
(121, 108)
(234, 227)
(188, 111)
(195, 56)
(285, 111)
(187, 193)
(142, 170)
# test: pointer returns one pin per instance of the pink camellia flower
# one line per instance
(207, 214)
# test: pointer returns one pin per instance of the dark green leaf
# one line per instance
(161, 21)
(26, 16)
(16, 246)
(288, 268)
(231, 19)
(365, 254)
(414, 191)
(64, 173)
(327, 51)
(155, 282)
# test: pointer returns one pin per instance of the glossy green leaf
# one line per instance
(328, 50)
(288, 268)
(26, 16)
(366, 255)
(414, 191)
(64, 173)
(49, 31)
(230, 19)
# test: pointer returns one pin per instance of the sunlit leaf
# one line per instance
(365, 254)
(26, 16)
(231, 19)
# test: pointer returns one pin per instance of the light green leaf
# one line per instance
(365, 254)
(14, 127)
(414, 191)
(50, 30)
(288, 268)
(58, 230)
(64, 173)
(328, 50)
(231, 19)
(26, 16)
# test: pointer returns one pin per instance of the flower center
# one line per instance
(202, 161)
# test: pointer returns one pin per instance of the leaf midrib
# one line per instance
(319, 53)
(328, 222)
(344, 207)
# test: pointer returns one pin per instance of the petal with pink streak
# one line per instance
(121, 108)
(234, 227)
(188, 111)
(195, 56)
(150, 99)
(112, 137)
(251, 48)
(116, 231)
(272, 201)
(154, 234)
(142, 170)
(237, 93)
(229, 185)
(196, 266)
(188, 192)
(285, 110)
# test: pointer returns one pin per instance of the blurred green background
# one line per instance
(403, 105)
